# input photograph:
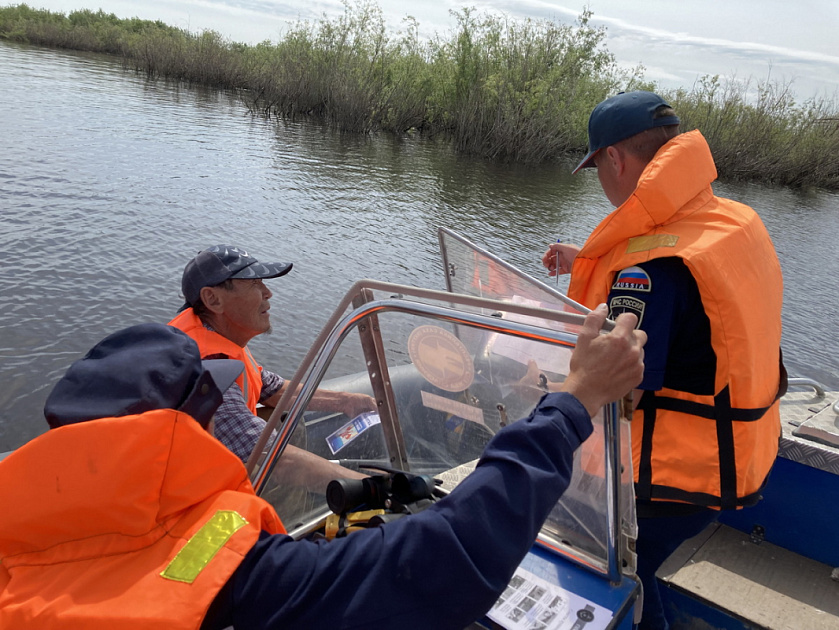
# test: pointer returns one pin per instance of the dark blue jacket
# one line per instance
(441, 568)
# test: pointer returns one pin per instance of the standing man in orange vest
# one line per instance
(701, 274)
(128, 514)
(227, 305)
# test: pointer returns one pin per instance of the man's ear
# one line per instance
(211, 297)
(616, 159)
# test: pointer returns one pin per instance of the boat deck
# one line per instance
(810, 430)
(772, 566)
(771, 587)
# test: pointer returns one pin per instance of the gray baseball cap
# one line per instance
(218, 263)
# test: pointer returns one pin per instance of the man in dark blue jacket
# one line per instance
(446, 566)
(441, 568)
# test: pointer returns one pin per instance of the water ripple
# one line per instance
(109, 183)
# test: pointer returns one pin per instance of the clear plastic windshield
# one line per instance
(445, 376)
(472, 270)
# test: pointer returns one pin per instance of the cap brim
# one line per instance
(223, 371)
(588, 162)
(259, 270)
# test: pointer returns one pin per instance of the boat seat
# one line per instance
(762, 585)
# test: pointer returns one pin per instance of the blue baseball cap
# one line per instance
(139, 369)
(218, 263)
(620, 117)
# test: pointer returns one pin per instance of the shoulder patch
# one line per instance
(650, 241)
(627, 304)
(633, 279)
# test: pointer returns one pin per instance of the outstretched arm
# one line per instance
(443, 567)
(298, 468)
(349, 403)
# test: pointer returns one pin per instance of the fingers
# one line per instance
(552, 256)
(358, 403)
(634, 340)
(589, 332)
(606, 366)
(549, 261)
(553, 261)
(559, 258)
(549, 258)
(625, 325)
(369, 403)
(593, 323)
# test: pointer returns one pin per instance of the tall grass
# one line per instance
(757, 131)
(519, 90)
(494, 87)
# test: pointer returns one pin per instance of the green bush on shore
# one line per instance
(768, 138)
(498, 88)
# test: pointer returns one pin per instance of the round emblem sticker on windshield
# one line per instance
(441, 358)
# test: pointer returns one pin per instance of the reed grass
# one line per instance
(515, 90)
(759, 132)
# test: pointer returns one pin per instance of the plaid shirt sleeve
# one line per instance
(271, 383)
(236, 427)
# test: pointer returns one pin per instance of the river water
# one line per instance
(109, 183)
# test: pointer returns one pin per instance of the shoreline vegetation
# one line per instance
(497, 88)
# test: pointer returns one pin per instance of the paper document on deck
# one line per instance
(531, 603)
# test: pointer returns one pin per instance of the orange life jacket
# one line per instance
(707, 450)
(131, 522)
(210, 343)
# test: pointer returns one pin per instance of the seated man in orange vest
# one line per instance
(129, 514)
(227, 305)
(701, 274)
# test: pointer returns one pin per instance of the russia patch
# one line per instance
(633, 279)
(627, 304)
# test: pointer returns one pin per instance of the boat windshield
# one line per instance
(447, 371)
(472, 270)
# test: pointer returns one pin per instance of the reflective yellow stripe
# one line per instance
(646, 243)
(203, 546)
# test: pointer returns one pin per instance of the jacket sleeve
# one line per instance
(441, 568)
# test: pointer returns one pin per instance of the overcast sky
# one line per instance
(677, 41)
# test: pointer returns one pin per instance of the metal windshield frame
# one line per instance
(441, 306)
